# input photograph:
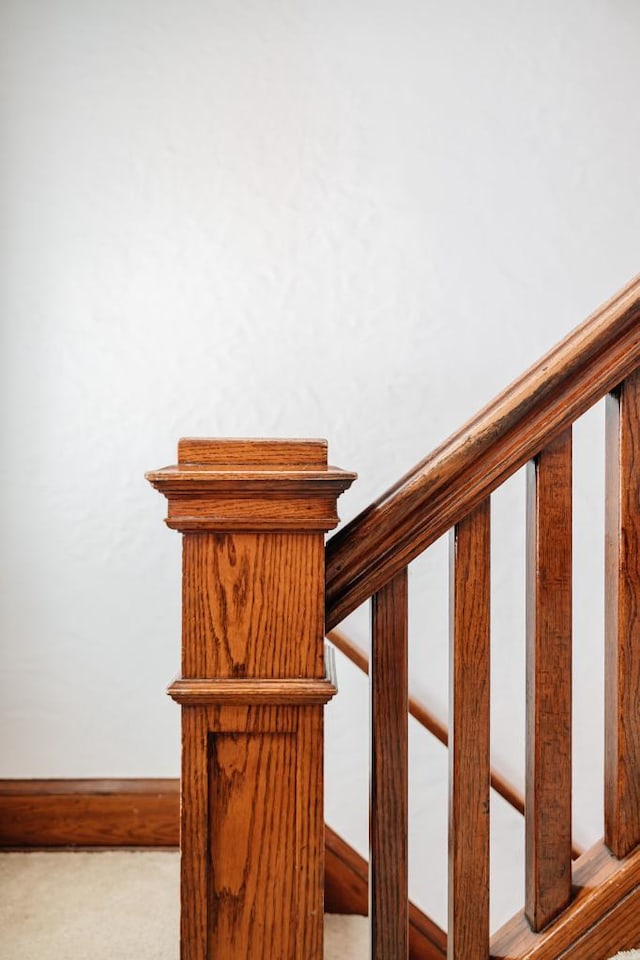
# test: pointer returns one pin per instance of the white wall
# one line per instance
(346, 219)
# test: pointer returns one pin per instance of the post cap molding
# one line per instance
(251, 485)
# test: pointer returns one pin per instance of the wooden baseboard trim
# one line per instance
(89, 813)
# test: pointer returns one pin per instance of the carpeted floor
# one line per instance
(120, 905)
(111, 906)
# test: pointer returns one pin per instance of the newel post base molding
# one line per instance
(253, 683)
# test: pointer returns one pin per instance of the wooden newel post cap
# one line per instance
(251, 485)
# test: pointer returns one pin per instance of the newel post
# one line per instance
(252, 687)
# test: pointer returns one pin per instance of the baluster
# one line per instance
(548, 775)
(622, 619)
(388, 877)
(469, 750)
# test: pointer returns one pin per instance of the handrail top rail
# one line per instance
(440, 490)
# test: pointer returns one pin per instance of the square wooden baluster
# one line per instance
(469, 748)
(622, 619)
(388, 876)
(548, 774)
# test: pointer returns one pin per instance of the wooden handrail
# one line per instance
(443, 488)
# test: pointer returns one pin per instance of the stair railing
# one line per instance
(253, 683)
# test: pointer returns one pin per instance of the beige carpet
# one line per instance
(110, 906)
(115, 906)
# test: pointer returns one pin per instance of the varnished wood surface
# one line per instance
(252, 850)
(464, 470)
(200, 511)
(248, 691)
(250, 605)
(310, 845)
(265, 453)
(548, 768)
(469, 751)
(622, 619)
(251, 485)
(94, 813)
(614, 931)
(194, 835)
(602, 918)
(388, 807)
(252, 803)
(253, 835)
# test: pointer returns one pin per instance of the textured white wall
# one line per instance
(346, 219)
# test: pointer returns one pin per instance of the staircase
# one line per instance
(259, 592)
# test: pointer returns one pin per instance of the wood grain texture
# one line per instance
(622, 618)
(252, 807)
(262, 843)
(612, 932)
(271, 509)
(277, 453)
(252, 832)
(548, 740)
(94, 813)
(388, 807)
(469, 750)
(281, 485)
(194, 836)
(465, 469)
(602, 918)
(309, 859)
(248, 691)
(250, 605)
